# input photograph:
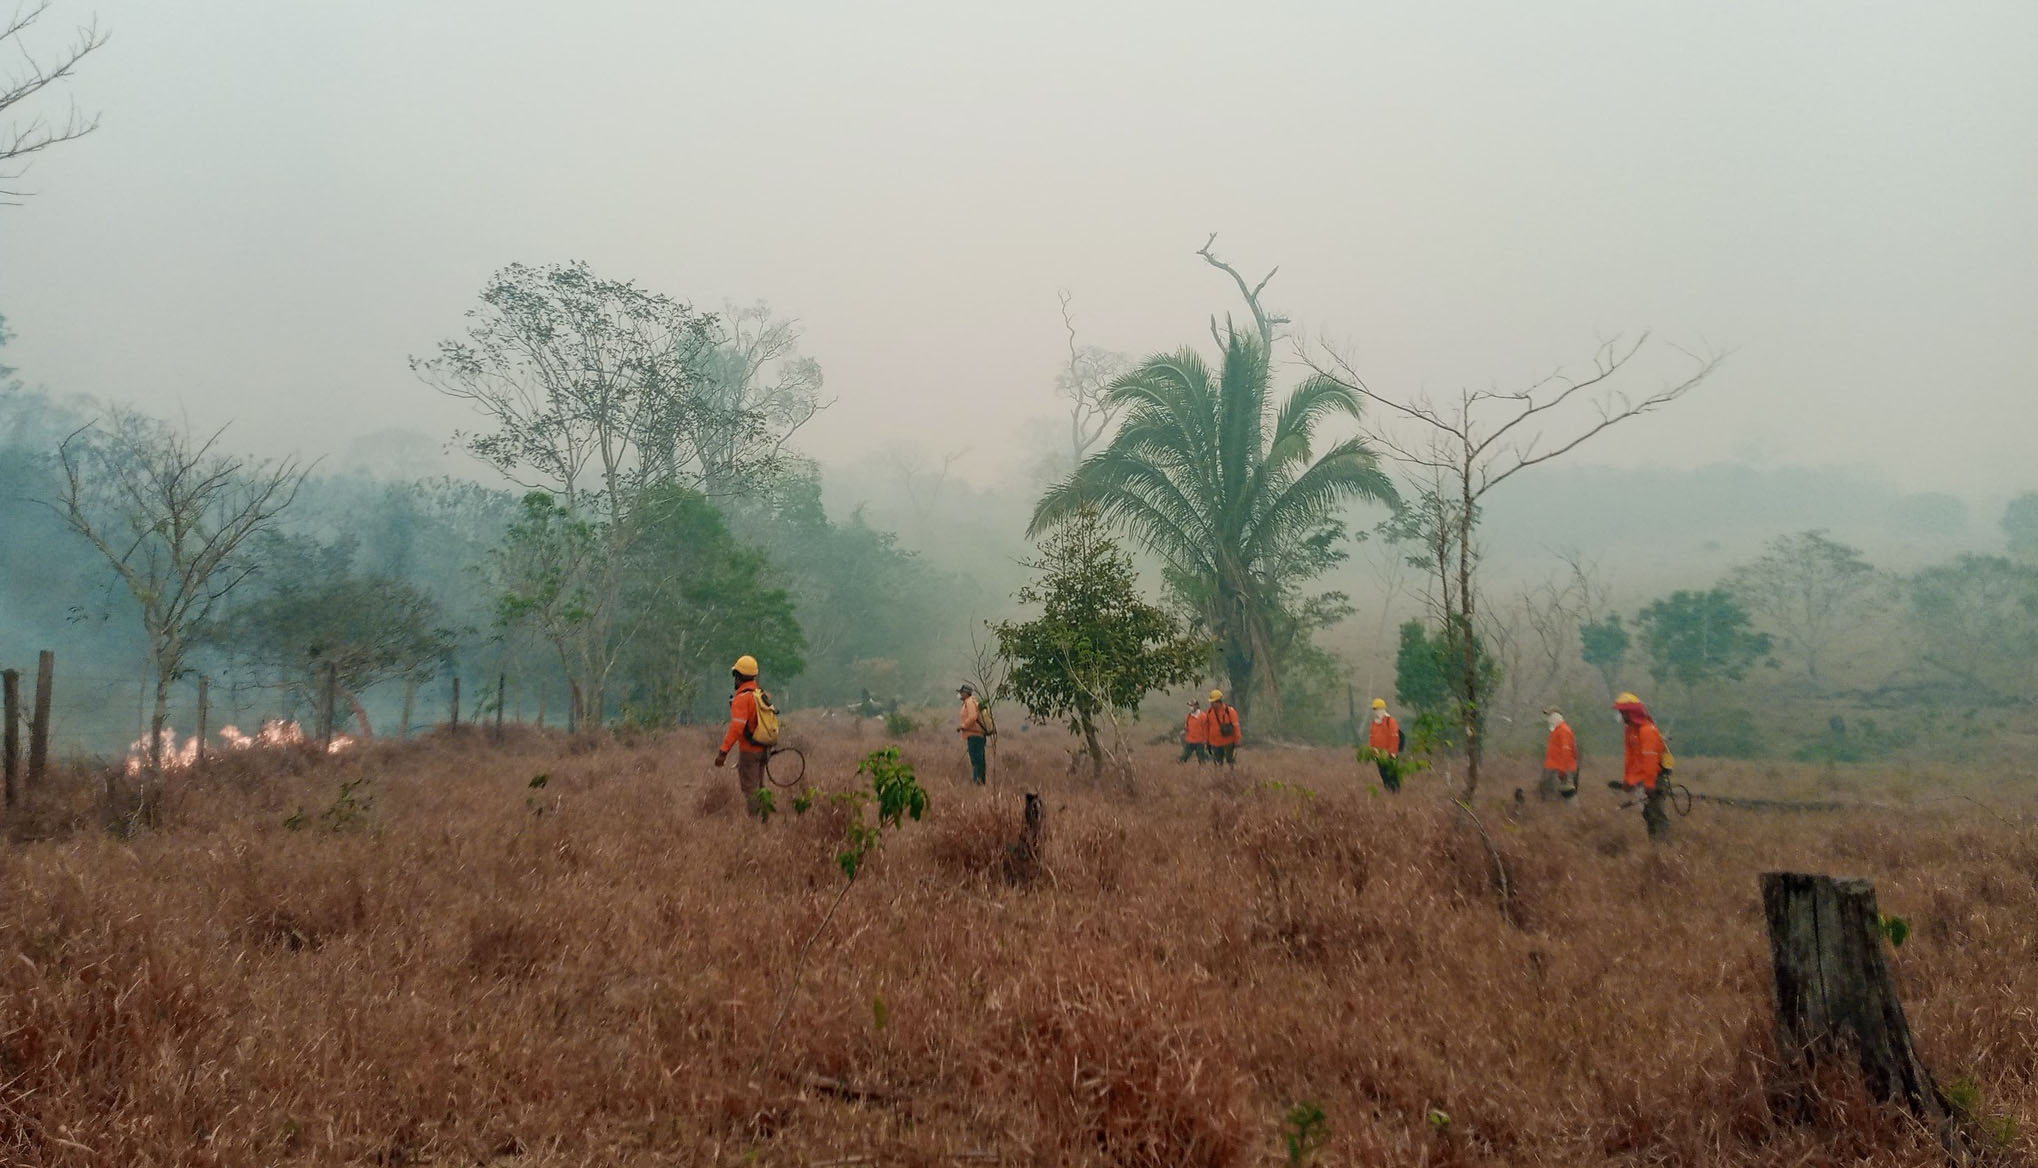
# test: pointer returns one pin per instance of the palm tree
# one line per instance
(1204, 473)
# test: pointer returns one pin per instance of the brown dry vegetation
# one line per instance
(474, 971)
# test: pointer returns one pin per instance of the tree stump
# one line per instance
(1024, 861)
(1834, 994)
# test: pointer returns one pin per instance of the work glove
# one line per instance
(721, 756)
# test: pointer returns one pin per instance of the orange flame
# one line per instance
(273, 734)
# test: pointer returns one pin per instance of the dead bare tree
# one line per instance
(921, 483)
(1264, 322)
(1083, 383)
(1554, 610)
(1479, 441)
(170, 513)
(31, 74)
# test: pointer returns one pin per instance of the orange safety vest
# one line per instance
(1220, 724)
(742, 715)
(1563, 752)
(1198, 733)
(1385, 735)
(1645, 750)
(972, 724)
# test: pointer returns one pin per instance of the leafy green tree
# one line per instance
(1812, 590)
(1976, 621)
(696, 599)
(1603, 644)
(2020, 524)
(1096, 648)
(861, 599)
(1419, 670)
(1211, 474)
(1426, 676)
(552, 573)
(594, 395)
(1692, 637)
(368, 629)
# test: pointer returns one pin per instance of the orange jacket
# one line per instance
(972, 724)
(1645, 755)
(742, 712)
(1563, 752)
(1385, 735)
(1220, 724)
(1197, 730)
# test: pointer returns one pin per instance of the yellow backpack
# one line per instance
(764, 727)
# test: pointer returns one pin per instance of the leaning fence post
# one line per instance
(204, 696)
(39, 723)
(11, 749)
(1834, 993)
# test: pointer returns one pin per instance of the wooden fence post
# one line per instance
(39, 722)
(1834, 993)
(501, 701)
(455, 719)
(10, 751)
(327, 714)
(204, 709)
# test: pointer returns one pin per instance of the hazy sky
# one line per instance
(286, 200)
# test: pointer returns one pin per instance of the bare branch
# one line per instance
(20, 142)
(1262, 320)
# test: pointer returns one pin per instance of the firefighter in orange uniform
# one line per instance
(1195, 735)
(742, 718)
(1647, 764)
(1560, 760)
(1221, 729)
(1384, 735)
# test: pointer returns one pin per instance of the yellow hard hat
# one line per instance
(746, 665)
(1379, 703)
(1625, 698)
(1216, 695)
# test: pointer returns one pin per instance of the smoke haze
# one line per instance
(287, 200)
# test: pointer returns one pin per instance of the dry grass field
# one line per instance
(411, 955)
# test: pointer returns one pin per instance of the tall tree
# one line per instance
(760, 390)
(1694, 637)
(1084, 382)
(28, 73)
(367, 629)
(1604, 645)
(1469, 446)
(171, 514)
(1812, 590)
(1209, 473)
(593, 391)
(2019, 523)
(696, 599)
(1976, 621)
(1096, 648)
